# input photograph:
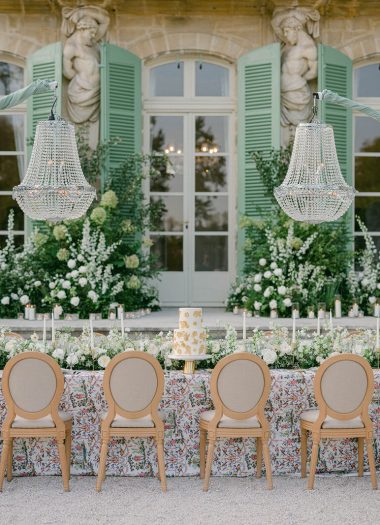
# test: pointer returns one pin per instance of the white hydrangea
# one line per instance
(277, 272)
(287, 302)
(93, 296)
(66, 285)
(14, 296)
(268, 292)
(37, 283)
(104, 360)
(74, 274)
(267, 274)
(72, 359)
(257, 278)
(61, 294)
(273, 265)
(273, 304)
(5, 300)
(71, 264)
(257, 305)
(281, 290)
(262, 261)
(59, 354)
(372, 299)
(74, 301)
(82, 269)
(52, 285)
(82, 281)
(269, 356)
(24, 299)
(257, 288)
(285, 348)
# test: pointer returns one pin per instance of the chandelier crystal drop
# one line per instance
(314, 189)
(54, 188)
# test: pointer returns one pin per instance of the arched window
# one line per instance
(367, 153)
(12, 150)
(188, 106)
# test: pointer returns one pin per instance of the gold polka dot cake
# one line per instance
(190, 337)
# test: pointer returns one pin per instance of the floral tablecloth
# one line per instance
(185, 398)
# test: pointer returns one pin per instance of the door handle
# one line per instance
(186, 224)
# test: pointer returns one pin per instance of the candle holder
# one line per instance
(310, 312)
(376, 308)
(235, 310)
(112, 314)
(295, 311)
(321, 310)
(338, 307)
(355, 309)
(273, 314)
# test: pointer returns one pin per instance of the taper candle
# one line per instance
(52, 328)
(44, 330)
(244, 325)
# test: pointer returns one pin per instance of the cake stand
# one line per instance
(189, 367)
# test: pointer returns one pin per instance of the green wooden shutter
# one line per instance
(258, 126)
(46, 63)
(120, 104)
(335, 74)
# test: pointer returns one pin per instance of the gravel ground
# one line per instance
(234, 501)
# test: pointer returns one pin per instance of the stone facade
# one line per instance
(223, 36)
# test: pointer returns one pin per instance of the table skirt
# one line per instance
(185, 398)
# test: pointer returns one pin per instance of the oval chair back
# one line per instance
(13, 335)
(33, 385)
(240, 387)
(344, 387)
(133, 385)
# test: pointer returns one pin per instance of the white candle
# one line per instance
(27, 310)
(57, 311)
(331, 322)
(32, 313)
(91, 333)
(318, 325)
(44, 331)
(120, 311)
(235, 310)
(355, 309)
(377, 310)
(296, 313)
(294, 328)
(52, 328)
(321, 313)
(338, 308)
(311, 314)
(122, 325)
(244, 325)
(377, 332)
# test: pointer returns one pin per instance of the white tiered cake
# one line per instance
(190, 337)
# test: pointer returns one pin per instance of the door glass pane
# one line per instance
(211, 213)
(12, 133)
(367, 134)
(6, 205)
(367, 81)
(11, 78)
(168, 250)
(19, 240)
(211, 253)
(167, 80)
(211, 134)
(368, 209)
(367, 173)
(211, 80)
(11, 170)
(171, 217)
(210, 173)
(166, 134)
(170, 177)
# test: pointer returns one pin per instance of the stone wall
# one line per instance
(228, 37)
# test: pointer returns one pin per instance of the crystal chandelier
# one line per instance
(314, 189)
(54, 187)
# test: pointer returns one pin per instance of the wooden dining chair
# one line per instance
(240, 387)
(33, 385)
(13, 335)
(133, 386)
(343, 387)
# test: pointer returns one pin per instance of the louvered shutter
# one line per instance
(120, 105)
(258, 126)
(46, 63)
(335, 74)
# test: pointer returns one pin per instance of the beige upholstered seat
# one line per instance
(227, 422)
(141, 422)
(133, 386)
(343, 388)
(33, 385)
(240, 385)
(330, 422)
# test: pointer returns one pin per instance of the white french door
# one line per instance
(193, 239)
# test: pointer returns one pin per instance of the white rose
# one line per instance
(58, 353)
(215, 348)
(61, 294)
(74, 301)
(34, 337)
(66, 285)
(372, 300)
(257, 278)
(24, 299)
(358, 350)
(10, 345)
(37, 283)
(287, 302)
(319, 359)
(74, 274)
(82, 269)
(5, 300)
(267, 274)
(277, 272)
(269, 356)
(71, 263)
(257, 288)
(103, 361)
(285, 348)
(262, 261)
(152, 349)
(281, 290)
(80, 258)
(72, 359)
(273, 304)
(93, 296)
(82, 281)
(14, 296)
(257, 305)
(52, 286)
(267, 292)
(273, 265)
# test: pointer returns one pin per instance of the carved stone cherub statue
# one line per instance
(296, 27)
(84, 27)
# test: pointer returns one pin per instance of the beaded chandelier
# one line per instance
(54, 187)
(314, 189)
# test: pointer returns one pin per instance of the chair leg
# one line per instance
(259, 457)
(210, 455)
(3, 461)
(10, 460)
(161, 463)
(360, 457)
(313, 464)
(202, 453)
(68, 450)
(102, 464)
(268, 467)
(303, 452)
(64, 467)
(371, 461)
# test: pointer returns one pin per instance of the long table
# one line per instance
(185, 398)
